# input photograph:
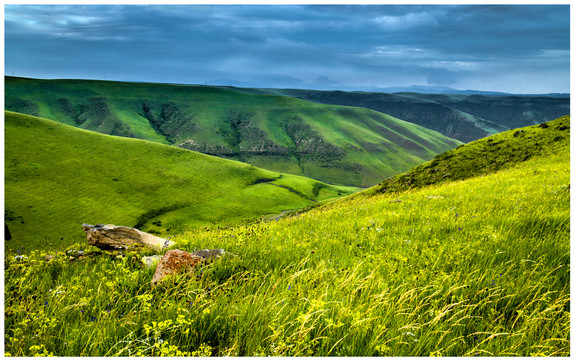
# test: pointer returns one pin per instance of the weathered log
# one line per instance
(111, 237)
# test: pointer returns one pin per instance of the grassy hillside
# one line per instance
(463, 117)
(335, 144)
(446, 120)
(484, 156)
(479, 267)
(58, 177)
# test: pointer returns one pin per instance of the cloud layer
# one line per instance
(515, 48)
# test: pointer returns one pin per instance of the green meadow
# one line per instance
(340, 145)
(58, 177)
(466, 267)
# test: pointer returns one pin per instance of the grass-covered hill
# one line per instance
(463, 117)
(58, 177)
(484, 156)
(476, 267)
(335, 144)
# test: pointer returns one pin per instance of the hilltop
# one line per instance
(465, 117)
(58, 177)
(484, 156)
(334, 144)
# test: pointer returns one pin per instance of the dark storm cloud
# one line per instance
(485, 47)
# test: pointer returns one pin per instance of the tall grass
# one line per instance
(471, 268)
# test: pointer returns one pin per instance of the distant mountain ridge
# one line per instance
(452, 91)
(460, 116)
(334, 144)
(293, 83)
(437, 90)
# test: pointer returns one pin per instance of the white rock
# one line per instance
(122, 237)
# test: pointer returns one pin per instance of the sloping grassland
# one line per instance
(484, 156)
(476, 267)
(58, 177)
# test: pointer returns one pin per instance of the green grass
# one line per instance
(484, 156)
(335, 144)
(475, 267)
(58, 177)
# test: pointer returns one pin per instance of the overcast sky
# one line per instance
(515, 48)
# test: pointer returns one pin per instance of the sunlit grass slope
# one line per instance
(478, 267)
(484, 156)
(336, 144)
(58, 177)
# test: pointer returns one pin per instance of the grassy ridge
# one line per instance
(484, 156)
(335, 144)
(470, 268)
(58, 177)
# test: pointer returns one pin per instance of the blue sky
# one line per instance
(509, 48)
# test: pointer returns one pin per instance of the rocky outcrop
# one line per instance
(111, 237)
(177, 261)
(174, 261)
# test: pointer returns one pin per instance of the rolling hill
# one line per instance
(335, 144)
(460, 116)
(58, 177)
(475, 267)
(485, 156)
